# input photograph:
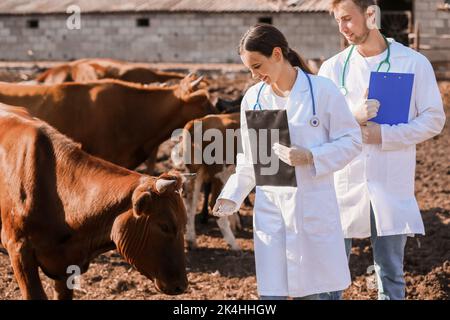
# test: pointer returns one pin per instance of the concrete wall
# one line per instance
(204, 38)
(434, 29)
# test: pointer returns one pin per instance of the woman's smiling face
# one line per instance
(263, 68)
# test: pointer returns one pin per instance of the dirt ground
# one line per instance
(215, 272)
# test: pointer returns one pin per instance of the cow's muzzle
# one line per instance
(173, 288)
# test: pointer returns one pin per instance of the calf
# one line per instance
(216, 173)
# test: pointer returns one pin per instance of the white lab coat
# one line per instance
(384, 174)
(299, 246)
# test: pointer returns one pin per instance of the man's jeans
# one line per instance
(388, 253)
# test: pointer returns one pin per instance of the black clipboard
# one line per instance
(270, 119)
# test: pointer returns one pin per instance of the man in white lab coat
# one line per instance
(376, 190)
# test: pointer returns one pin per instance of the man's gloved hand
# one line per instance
(367, 110)
(294, 156)
(371, 133)
(224, 207)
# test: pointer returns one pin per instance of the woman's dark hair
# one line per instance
(263, 38)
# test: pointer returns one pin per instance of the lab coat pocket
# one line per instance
(400, 172)
(341, 180)
(320, 213)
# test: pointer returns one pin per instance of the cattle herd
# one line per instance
(69, 144)
(80, 175)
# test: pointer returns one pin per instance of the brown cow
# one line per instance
(86, 70)
(206, 171)
(61, 207)
(118, 121)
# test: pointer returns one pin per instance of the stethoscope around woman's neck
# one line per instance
(314, 121)
(386, 61)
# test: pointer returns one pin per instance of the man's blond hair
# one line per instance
(362, 4)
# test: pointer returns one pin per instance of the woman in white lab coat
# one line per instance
(299, 245)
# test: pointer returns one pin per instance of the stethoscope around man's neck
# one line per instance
(314, 121)
(386, 61)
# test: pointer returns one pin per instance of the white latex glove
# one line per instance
(371, 133)
(367, 110)
(224, 207)
(294, 156)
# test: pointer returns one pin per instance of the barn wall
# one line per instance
(169, 38)
(434, 28)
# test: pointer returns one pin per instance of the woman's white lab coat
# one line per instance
(299, 247)
(384, 174)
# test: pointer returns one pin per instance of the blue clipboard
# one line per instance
(394, 91)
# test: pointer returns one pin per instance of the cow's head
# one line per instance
(151, 235)
(196, 101)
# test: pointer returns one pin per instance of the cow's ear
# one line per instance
(197, 97)
(142, 203)
(185, 87)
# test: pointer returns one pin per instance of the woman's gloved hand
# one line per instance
(294, 156)
(224, 207)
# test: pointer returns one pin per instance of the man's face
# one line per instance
(352, 22)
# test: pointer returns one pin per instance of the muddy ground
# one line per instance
(215, 272)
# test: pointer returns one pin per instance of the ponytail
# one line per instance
(297, 61)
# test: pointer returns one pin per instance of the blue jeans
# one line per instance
(388, 254)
